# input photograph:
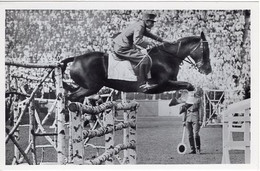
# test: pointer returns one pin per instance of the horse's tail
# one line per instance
(65, 62)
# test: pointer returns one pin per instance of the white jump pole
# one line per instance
(125, 131)
(61, 157)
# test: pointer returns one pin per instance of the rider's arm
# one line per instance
(152, 36)
(138, 37)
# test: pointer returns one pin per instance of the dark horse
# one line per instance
(89, 71)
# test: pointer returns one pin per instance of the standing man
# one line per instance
(192, 119)
(126, 47)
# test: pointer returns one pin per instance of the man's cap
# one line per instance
(149, 17)
(198, 92)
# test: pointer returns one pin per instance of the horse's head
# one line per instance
(195, 47)
(200, 54)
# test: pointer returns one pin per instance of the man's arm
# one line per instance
(201, 114)
(195, 107)
(184, 107)
(138, 34)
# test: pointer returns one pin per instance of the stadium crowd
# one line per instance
(42, 36)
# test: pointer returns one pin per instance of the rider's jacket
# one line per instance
(133, 35)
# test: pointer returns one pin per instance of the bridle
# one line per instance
(202, 45)
(188, 60)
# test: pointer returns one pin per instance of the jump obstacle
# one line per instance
(75, 143)
(29, 105)
(110, 127)
(236, 119)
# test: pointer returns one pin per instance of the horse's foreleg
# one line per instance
(170, 85)
(178, 85)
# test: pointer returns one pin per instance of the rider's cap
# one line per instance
(149, 17)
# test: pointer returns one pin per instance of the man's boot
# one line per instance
(197, 140)
(192, 146)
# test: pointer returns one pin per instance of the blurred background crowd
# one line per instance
(44, 36)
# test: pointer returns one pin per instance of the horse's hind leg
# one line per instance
(82, 92)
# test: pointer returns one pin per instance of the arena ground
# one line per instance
(157, 139)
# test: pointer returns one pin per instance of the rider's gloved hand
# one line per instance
(167, 41)
(144, 51)
(151, 45)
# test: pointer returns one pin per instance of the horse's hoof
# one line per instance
(173, 102)
(190, 88)
(71, 98)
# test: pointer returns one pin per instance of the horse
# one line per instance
(89, 71)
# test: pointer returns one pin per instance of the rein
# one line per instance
(189, 60)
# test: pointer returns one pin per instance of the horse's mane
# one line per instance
(183, 40)
(188, 38)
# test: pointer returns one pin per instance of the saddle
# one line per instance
(119, 69)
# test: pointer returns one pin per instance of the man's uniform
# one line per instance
(192, 118)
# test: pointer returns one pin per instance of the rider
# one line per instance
(127, 42)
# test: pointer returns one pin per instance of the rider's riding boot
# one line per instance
(192, 146)
(197, 140)
(145, 85)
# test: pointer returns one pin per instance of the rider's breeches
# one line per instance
(141, 62)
